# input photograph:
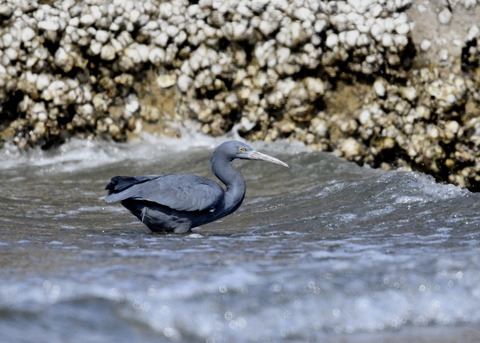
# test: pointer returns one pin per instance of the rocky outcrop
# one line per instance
(390, 83)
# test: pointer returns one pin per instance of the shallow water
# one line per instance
(324, 251)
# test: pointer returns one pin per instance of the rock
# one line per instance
(337, 75)
(107, 52)
(167, 80)
(350, 148)
(48, 25)
(102, 36)
(27, 34)
(445, 16)
(87, 19)
(184, 83)
(425, 45)
(379, 87)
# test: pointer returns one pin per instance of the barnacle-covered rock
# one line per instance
(364, 79)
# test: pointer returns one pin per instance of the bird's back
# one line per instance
(181, 192)
(120, 183)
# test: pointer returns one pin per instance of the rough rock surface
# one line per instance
(390, 83)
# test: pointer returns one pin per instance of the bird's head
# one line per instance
(235, 149)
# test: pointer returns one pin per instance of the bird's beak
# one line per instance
(255, 155)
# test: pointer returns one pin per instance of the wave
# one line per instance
(79, 154)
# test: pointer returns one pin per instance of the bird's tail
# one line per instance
(120, 183)
(119, 187)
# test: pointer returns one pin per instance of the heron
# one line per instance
(179, 202)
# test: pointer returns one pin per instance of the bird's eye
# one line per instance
(241, 149)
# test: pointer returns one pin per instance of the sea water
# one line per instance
(326, 251)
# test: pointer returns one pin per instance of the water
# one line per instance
(325, 251)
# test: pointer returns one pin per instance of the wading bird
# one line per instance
(179, 202)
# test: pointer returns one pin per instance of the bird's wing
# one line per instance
(120, 183)
(178, 191)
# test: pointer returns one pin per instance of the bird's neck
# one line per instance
(232, 179)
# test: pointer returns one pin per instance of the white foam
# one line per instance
(405, 187)
(78, 154)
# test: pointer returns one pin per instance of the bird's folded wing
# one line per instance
(181, 192)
